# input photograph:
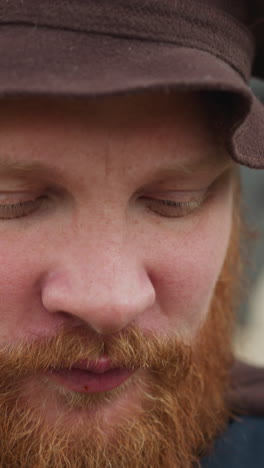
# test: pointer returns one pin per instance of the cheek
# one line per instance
(183, 266)
(19, 274)
(186, 272)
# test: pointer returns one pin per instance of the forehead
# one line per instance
(162, 127)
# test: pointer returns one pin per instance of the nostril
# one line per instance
(66, 315)
(70, 320)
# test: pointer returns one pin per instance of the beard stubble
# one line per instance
(182, 394)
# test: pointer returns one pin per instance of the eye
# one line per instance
(19, 209)
(174, 208)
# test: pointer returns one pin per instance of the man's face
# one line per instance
(115, 219)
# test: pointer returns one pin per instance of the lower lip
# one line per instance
(83, 381)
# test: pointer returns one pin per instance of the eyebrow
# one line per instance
(188, 168)
(25, 169)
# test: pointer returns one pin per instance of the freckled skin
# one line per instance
(95, 254)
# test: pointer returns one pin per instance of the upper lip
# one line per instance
(98, 367)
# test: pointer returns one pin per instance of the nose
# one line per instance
(104, 288)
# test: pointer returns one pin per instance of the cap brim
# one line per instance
(51, 62)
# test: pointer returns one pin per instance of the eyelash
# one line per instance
(160, 207)
(21, 209)
(173, 209)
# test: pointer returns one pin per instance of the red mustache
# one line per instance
(129, 349)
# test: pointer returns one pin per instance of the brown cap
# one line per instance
(90, 48)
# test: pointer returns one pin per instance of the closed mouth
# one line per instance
(91, 377)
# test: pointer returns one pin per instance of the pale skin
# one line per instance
(93, 245)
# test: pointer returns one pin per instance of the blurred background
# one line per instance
(249, 338)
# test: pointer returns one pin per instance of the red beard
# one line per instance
(181, 402)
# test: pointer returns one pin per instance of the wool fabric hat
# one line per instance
(92, 48)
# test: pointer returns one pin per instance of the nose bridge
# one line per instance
(100, 280)
(101, 253)
(103, 264)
